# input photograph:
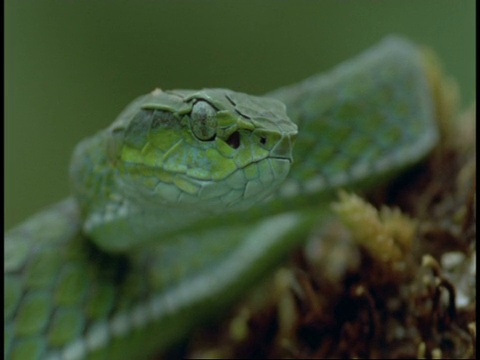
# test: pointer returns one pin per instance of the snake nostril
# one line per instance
(234, 140)
(263, 140)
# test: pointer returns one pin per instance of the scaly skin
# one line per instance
(174, 214)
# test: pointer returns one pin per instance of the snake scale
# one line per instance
(190, 196)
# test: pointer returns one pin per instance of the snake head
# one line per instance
(174, 157)
(210, 147)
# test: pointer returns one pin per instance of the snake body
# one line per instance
(190, 196)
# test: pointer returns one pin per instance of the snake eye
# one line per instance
(203, 121)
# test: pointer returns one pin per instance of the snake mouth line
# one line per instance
(290, 160)
(276, 158)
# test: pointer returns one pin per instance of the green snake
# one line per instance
(190, 196)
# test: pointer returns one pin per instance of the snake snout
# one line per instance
(284, 146)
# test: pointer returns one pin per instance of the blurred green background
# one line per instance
(70, 67)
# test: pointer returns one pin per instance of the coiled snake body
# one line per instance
(189, 196)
